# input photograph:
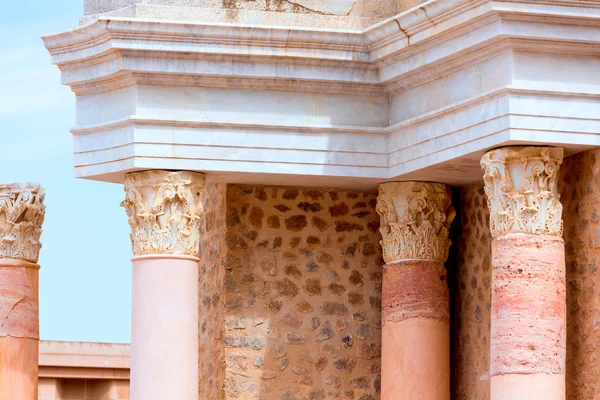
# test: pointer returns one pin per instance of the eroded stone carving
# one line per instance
(415, 218)
(521, 188)
(164, 211)
(338, 7)
(22, 213)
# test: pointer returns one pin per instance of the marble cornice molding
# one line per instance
(415, 220)
(521, 186)
(164, 211)
(140, 72)
(22, 213)
(376, 57)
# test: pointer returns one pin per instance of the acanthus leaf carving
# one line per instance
(164, 211)
(521, 184)
(22, 212)
(415, 220)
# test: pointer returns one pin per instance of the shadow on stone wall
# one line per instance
(301, 297)
(469, 278)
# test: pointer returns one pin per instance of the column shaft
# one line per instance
(164, 333)
(415, 334)
(415, 217)
(19, 330)
(21, 217)
(164, 211)
(528, 318)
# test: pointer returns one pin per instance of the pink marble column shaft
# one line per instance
(164, 212)
(19, 329)
(164, 329)
(22, 213)
(415, 362)
(528, 337)
(528, 316)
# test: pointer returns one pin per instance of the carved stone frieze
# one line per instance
(415, 218)
(21, 216)
(522, 191)
(164, 211)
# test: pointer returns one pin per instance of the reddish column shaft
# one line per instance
(528, 322)
(19, 329)
(416, 331)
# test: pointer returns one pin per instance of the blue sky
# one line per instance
(85, 276)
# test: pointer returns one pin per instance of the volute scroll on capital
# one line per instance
(521, 185)
(164, 210)
(415, 220)
(22, 212)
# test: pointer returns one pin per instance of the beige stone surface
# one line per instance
(87, 356)
(302, 299)
(579, 187)
(469, 271)
(321, 13)
(213, 252)
(83, 371)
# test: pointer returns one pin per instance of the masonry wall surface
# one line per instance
(469, 272)
(579, 187)
(302, 294)
(213, 254)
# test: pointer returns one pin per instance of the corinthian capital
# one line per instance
(21, 216)
(415, 218)
(521, 189)
(164, 211)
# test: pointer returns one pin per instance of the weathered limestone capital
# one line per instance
(164, 211)
(415, 219)
(22, 213)
(521, 184)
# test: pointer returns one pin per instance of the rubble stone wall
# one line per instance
(302, 294)
(470, 274)
(210, 300)
(579, 187)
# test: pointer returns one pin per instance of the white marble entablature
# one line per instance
(420, 96)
